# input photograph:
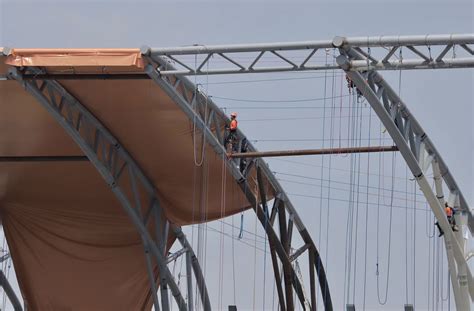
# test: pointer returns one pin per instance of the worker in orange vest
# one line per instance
(449, 211)
(232, 132)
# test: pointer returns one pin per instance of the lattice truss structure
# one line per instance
(382, 53)
(288, 238)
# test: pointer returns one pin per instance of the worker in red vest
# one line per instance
(232, 132)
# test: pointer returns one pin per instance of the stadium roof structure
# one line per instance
(74, 118)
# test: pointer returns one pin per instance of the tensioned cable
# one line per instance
(273, 100)
(342, 200)
(268, 80)
(243, 241)
(336, 169)
(303, 140)
(276, 107)
(341, 189)
(293, 119)
(338, 182)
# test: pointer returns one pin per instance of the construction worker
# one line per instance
(449, 211)
(232, 132)
(351, 85)
(450, 215)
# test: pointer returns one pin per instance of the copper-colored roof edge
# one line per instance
(83, 57)
(19, 51)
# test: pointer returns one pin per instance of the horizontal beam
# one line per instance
(382, 52)
(409, 64)
(43, 158)
(374, 41)
(289, 153)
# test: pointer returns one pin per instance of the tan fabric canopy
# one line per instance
(72, 245)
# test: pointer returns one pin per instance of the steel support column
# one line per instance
(117, 167)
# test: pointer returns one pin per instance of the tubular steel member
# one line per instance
(420, 154)
(289, 153)
(209, 119)
(10, 292)
(117, 167)
(292, 60)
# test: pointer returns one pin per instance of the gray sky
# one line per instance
(441, 101)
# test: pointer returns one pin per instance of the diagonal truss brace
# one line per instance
(119, 170)
(210, 120)
(419, 154)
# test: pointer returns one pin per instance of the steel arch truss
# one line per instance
(254, 180)
(420, 155)
(130, 185)
(384, 53)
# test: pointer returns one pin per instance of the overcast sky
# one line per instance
(441, 100)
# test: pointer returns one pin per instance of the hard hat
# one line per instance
(233, 114)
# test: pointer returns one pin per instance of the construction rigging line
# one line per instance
(277, 107)
(222, 244)
(330, 164)
(196, 103)
(367, 216)
(406, 237)
(322, 170)
(384, 301)
(358, 157)
(350, 217)
(414, 244)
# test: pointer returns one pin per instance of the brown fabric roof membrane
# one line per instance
(71, 243)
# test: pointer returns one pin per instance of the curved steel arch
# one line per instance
(210, 120)
(420, 155)
(114, 163)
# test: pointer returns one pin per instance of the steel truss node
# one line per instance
(117, 168)
(210, 120)
(420, 155)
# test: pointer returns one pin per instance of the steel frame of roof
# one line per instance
(117, 167)
(105, 152)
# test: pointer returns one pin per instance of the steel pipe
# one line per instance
(289, 153)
